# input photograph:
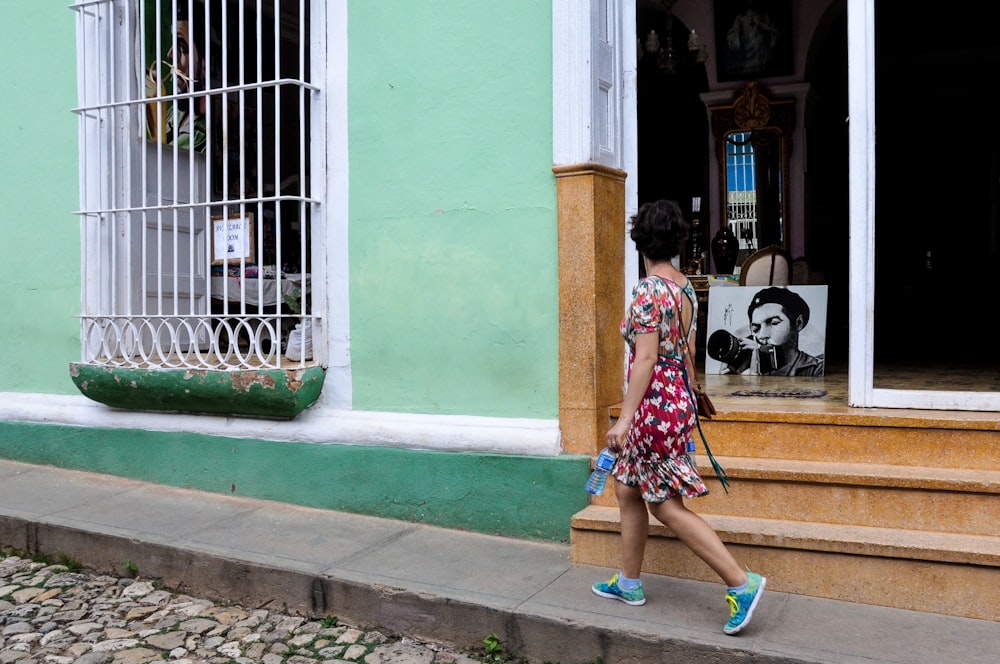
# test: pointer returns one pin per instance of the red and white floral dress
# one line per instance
(654, 454)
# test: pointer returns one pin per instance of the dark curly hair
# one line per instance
(659, 230)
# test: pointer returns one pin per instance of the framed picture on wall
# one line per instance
(753, 39)
(766, 330)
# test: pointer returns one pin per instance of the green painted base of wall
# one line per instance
(515, 496)
(272, 393)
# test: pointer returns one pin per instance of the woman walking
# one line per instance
(653, 471)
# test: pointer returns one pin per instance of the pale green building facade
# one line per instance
(473, 168)
(441, 402)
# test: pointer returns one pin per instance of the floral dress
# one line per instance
(654, 454)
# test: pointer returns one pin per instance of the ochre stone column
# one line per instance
(591, 201)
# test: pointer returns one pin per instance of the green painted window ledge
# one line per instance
(270, 393)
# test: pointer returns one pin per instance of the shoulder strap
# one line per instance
(687, 332)
(720, 473)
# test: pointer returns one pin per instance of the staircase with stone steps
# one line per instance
(875, 507)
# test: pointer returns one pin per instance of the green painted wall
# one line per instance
(515, 496)
(454, 293)
(453, 257)
(39, 190)
(453, 238)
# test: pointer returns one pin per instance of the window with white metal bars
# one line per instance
(196, 203)
(741, 197)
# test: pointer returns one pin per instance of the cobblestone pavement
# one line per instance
(49, 615)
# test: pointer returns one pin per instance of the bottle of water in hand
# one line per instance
(602, 466)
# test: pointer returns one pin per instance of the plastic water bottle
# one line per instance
(602, 466)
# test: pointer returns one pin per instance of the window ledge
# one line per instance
(269, 393)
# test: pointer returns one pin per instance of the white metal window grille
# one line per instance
(195, 194)
(741, 198)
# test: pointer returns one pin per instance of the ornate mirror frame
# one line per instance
(770, 122)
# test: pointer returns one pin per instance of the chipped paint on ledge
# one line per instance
(270, 393)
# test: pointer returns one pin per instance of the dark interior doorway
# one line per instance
(937, 190)
(826, 213)
(937, 227)
(672, 122)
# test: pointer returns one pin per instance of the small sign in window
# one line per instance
(233, 239)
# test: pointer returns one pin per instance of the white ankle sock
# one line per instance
(626, 583)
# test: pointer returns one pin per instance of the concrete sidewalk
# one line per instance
(443, 585)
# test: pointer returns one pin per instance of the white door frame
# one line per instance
(862, 312)
(581, 29)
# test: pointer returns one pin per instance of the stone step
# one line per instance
(883, 440)
(876, 495)
(875, 506)
(907, 569)
(960, 501)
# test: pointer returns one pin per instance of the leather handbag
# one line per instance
(706, 408)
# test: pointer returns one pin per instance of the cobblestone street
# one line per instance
(51, 615)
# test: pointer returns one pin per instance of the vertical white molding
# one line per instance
(571, 81)
(587, 87)
(330, 45)
(92, 77)
(861, 139)
(606, 86)
(630, 134)
(576, 32)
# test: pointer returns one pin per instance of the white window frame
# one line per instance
(119, 326)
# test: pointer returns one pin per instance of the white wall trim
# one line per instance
(445, 433)
(630, 141)
(571, 81)
(334, 215)
(861, 137)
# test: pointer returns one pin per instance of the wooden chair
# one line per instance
(771, 266)
(801, 271)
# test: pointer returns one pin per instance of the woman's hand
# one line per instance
(613, 439)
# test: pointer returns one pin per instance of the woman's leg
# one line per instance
(634, 526)
(698, 536)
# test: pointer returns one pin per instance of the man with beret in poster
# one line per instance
(777, 316)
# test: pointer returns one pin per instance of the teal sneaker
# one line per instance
(612, 590)
(742, 604)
